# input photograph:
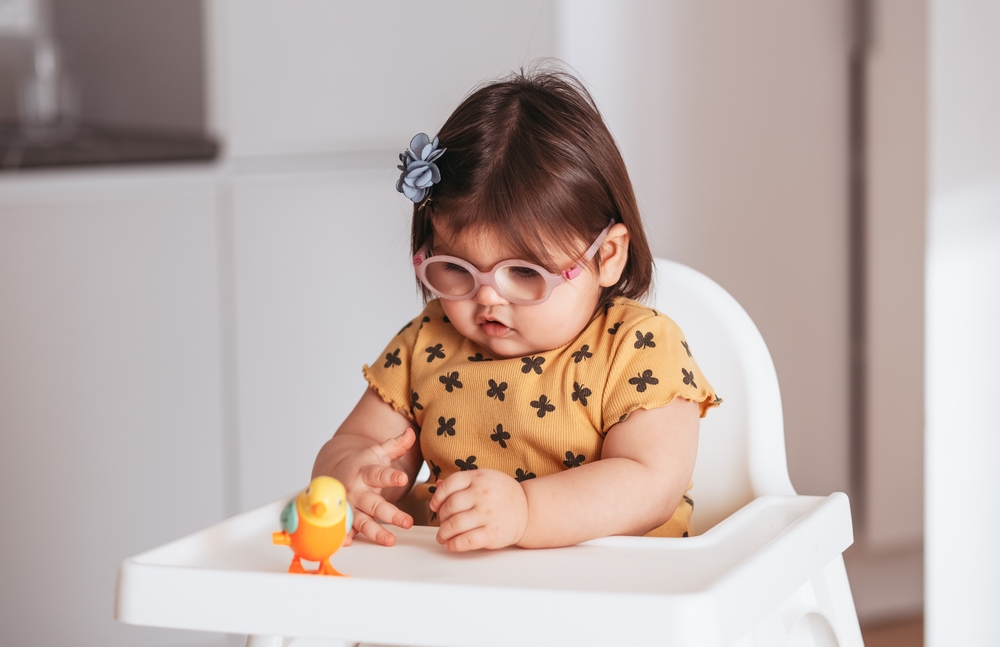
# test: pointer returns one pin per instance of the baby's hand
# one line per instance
(480, 509)
(364, 474)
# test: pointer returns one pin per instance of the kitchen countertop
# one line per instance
(86, 146)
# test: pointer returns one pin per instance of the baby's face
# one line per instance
(505, 329)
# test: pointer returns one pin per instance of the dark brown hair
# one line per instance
(530, 159)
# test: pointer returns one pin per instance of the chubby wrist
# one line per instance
(524, 517)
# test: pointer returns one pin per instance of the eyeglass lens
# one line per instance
(513, 281)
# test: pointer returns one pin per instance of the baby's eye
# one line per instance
(523, 273)
(452, 267)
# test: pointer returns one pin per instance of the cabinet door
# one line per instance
(110, 432)
(323, 282)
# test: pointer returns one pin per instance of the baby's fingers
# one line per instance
(454, 483)
(370, 528)
(471, 540)
(396, 447)
(380, 476)
(375, 506)
(457, 524)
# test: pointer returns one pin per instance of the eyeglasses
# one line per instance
(519, 282)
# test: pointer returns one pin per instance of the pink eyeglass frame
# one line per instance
(552, 281)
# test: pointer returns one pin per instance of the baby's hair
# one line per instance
(530, 160)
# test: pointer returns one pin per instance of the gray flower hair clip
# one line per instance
(419, 172)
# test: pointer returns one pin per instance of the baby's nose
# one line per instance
(488, 296)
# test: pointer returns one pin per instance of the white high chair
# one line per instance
(767, 570)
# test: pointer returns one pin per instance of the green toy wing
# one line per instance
(290, 518)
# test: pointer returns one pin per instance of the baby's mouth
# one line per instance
(494, 328)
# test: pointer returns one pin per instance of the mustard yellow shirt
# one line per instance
(534, 416)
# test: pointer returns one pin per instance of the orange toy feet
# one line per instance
(326, 569)
(296, 566)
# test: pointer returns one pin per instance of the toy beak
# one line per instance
(319, 509)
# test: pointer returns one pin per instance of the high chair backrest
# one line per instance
(741, 451)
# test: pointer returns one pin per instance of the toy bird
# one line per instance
(315, 523)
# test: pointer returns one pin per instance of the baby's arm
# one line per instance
(646, 466)
(375, 455)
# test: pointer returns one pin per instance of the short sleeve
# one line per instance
(389, 375)
(652, 365)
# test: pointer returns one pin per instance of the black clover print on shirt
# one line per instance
(532, 364)
(450, 381)
(644, 341)
(434, 352)
(446, 426)
(392, 359)
(496, 390)
(582, 354)
(478, 357)
(574, 460)
(468, 464)
(581, 393)
(500, 436)
(521, 475)
(543, 405)
(644, 378)
(689, 378)
(686, 348)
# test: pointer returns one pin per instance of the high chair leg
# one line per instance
(278, 641)
(264, 641)
(820, 614)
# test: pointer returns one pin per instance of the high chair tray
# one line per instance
(231, 578)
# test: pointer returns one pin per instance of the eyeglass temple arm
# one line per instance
(576, 270)
(421, 254)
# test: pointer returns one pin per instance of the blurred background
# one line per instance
(200, 246)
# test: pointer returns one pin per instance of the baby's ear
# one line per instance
(614, 255)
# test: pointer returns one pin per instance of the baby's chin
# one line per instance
(512, 346)
(506, 347)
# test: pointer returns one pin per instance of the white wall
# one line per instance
(963, 317)
(733, 122)
(318, 76)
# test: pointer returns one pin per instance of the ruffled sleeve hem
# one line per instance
(706, 402)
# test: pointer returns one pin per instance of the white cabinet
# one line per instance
(323, 282)
(110, 432)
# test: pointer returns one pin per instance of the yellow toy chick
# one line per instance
(315, 523)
